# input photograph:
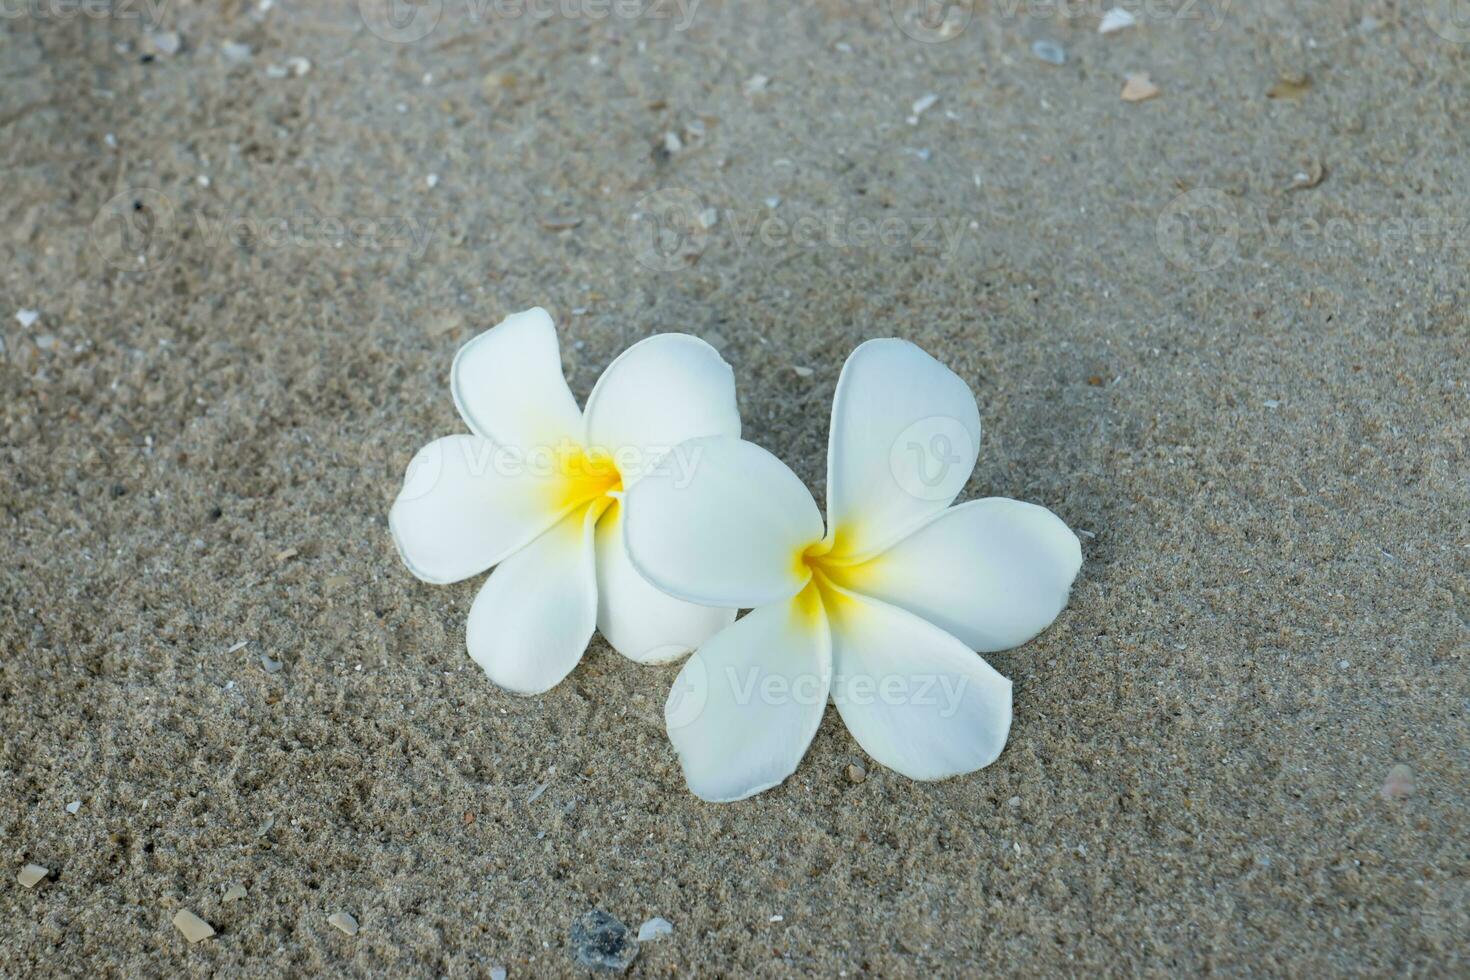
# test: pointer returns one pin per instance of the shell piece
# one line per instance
(1139, 87)
(195, 929)
(32, 875)
(344, 921)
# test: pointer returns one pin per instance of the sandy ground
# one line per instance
(1223, 332)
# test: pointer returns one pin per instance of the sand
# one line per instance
(1221, 333)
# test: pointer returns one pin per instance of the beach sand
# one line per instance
(1221, 332)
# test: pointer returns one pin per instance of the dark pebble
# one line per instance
(600, 942)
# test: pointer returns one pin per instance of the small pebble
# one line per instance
(778, 917)
(235, 51)
(496, 86)
(27, 318)
(73, 807)
(708, 218)
(498, 973)
(195, 929)
(1308, 177)
(1050, 52)
(1343, 665)
(773, 202)
(598, 941)
(756, 83)
(803, 372)
(655, 928)
(166, 42)
(271, 665)
(45, 341)
(431, 181)
(856, 773)
(1139, 87)
(1291, 85)
(1399, 785)
(298, 65)
(672, 143)
(924, 104)
(235, 893)
(1013, 802)
(32, 875)
(1116, 20)
(344, 922)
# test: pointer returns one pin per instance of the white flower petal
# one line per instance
(913, 696)
(744, 708)
(905, 437)
(638, 620)
(459, 512)
(658, 393)
(722, 522)
(533, 618)
(508, 385)
(993, 572)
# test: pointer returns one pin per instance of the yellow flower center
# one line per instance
(829, 575)
(583, 477)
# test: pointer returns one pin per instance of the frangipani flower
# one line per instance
(881, 611)
(535, 489)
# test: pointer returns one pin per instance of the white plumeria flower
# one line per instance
(882, 611)
(536, 489)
